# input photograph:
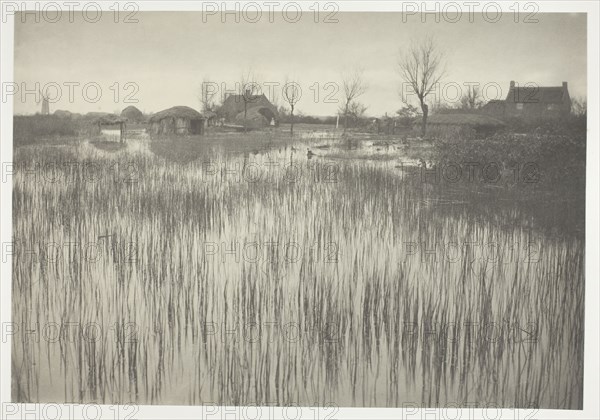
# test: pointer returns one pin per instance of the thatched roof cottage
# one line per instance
(181, 120)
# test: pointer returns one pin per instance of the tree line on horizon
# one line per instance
(421, 66)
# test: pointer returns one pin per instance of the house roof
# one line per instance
(250, 98)
(177, 112)
(473, 120)
(234, 104)
(537, 94)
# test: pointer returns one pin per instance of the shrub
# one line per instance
(552, 160)
(29, 129)
(448, 132)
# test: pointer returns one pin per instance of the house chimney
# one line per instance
(564, 85)
(512, 84)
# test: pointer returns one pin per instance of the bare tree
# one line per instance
(248, 89)
(355, 111)
(291, 94)
(283, 111)
(354, 86)
(421, 67)
(472, 98)
(579, 106)
(208, 90)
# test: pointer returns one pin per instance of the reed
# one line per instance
(207, 288)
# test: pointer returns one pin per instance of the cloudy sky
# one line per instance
(161, 60)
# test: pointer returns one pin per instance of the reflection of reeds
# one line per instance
(173, 322)
(18, 392)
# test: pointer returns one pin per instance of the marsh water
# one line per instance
(290, 278)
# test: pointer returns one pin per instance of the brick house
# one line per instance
(532, 102)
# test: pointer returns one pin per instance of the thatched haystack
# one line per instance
(260, 111)
(181, 120)
(257, 117)
(132, 114)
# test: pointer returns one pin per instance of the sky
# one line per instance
(161, 60)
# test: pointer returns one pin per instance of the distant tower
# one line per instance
(45, 104)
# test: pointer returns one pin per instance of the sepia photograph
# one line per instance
(299, 210)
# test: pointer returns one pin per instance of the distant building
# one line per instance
(532, 102)
(181, 120)
(260, 112)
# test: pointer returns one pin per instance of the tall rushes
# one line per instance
(211, 287)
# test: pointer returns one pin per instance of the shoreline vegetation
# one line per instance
(540, 160)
